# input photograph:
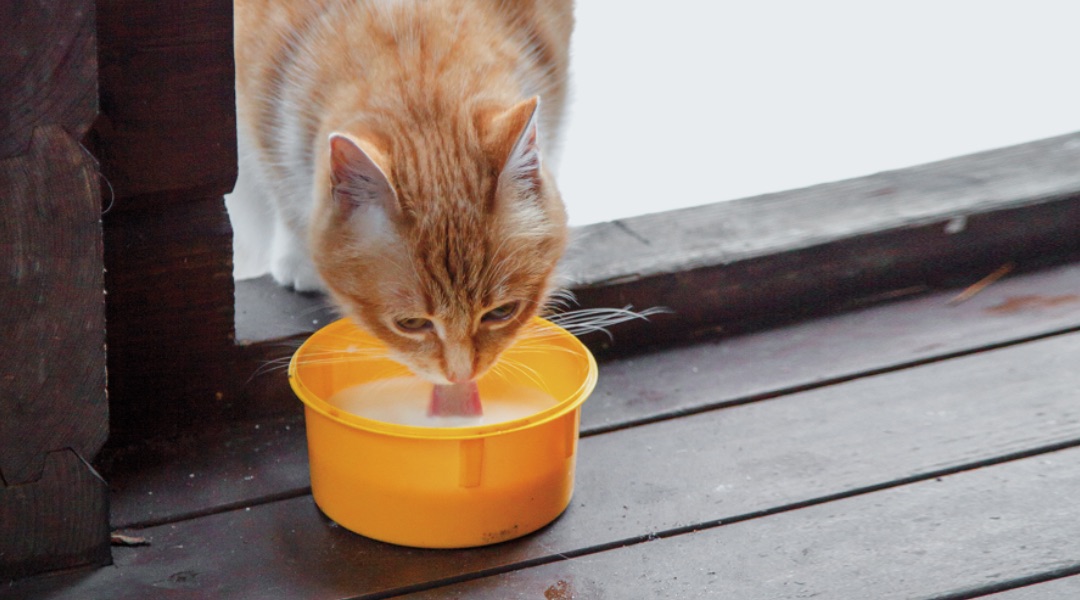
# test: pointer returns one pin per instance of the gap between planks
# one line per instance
(1063, 583)
(825, 382)
(713, 524)
(903, 521)
(996, 589)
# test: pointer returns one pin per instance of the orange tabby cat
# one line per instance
(390, 155)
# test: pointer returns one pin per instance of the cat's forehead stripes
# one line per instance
(454, 259)
(441, 164)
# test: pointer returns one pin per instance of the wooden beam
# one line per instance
(52, 360)
(167, 143)
(53, 318)
(53, 405)
(48, 70)
(170, 316)
(168, 119)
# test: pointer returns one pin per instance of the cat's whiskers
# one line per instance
(540, 348)
(331, 355)
(592, 320)
(559, 300)
(506, 365)
(322, 305)
(388, 372)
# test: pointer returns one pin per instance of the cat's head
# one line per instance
(441, 243)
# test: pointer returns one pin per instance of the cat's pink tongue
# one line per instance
(456, 400)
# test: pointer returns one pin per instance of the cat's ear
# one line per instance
(356, 178)
(521, 169)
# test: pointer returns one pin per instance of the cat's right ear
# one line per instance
(356, 178)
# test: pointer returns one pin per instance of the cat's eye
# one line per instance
(501, 313)
(414, 324)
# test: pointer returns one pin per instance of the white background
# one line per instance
(686, 102)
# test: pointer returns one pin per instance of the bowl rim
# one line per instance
(313, 401)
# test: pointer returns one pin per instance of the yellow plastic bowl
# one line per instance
(436, 487)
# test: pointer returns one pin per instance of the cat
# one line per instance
(390, 156)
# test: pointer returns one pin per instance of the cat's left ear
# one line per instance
(522, 166)
(356, 178)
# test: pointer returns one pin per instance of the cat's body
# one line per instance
(390, 155)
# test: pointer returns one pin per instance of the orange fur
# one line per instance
(435, 98)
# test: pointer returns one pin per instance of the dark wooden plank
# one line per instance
(170, 317)
(267, 311)
(665, 477)
(815, 352)
(58, 521)
(942, 193)
(633, 390)
(168, 118)
(954, 537)
(1056, 589)
(223, 466)
(48, 70)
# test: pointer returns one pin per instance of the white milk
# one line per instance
(405, 400)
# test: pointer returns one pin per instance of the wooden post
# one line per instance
(53, 409)
(166, 138)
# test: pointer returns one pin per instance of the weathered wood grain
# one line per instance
(52, 359)
(53, 512)
(168, 119)
(951, 537)
(57, 521)
(674, 476)
(48, 70)
(1057, 589)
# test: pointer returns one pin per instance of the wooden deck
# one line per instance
(916, 449)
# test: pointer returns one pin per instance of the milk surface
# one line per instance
(405, 401)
